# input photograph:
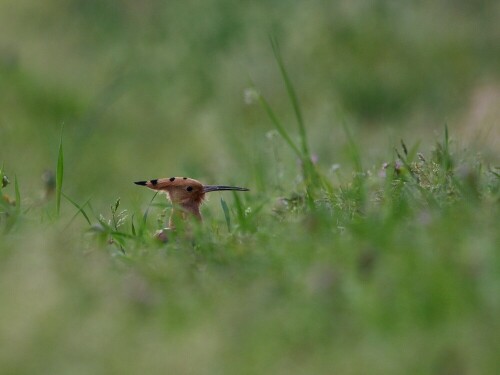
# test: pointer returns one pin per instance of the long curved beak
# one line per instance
(209, 188)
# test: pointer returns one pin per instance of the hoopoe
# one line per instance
(186, 195)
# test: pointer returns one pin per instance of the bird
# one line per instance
(186, 195)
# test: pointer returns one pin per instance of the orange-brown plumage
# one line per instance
(186, 194)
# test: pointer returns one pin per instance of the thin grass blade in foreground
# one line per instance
(18, 195)
(226, 213)
(279, 126)
(240, 211)
(59, 176)
(446, 154)
(134, 233)
(353, 150)
(142, 224)
(80, 209)
(311, 177)
(293, 97)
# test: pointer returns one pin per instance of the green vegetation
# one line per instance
(369, 241)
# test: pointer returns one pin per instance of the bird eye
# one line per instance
(189, 188)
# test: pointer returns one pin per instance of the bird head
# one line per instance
(185, 192)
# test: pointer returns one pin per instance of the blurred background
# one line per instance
(147, 89)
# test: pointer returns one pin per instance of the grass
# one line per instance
(60, 177)
(368, 243)
(396, 271)
(393, 270)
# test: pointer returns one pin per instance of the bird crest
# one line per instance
(186, 194)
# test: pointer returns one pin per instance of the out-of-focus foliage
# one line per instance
(157, 85)
(356, 254)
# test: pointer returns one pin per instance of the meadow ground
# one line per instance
(367, 133)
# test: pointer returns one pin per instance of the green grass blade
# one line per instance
(18, 195)
(4, 181)
(79, 208)
(494, 173)
(413, 151)
(226, 213)
(292, 95)
(99, 218)
(133, 226)
(446, 136)
(59, 176)
(353, 150)
(279, 127)
(240, 211)
(446, 150)
(311, 176)
(146, 213)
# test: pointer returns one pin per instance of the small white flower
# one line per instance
(335, 167)
(250, 95)
(271, 134)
